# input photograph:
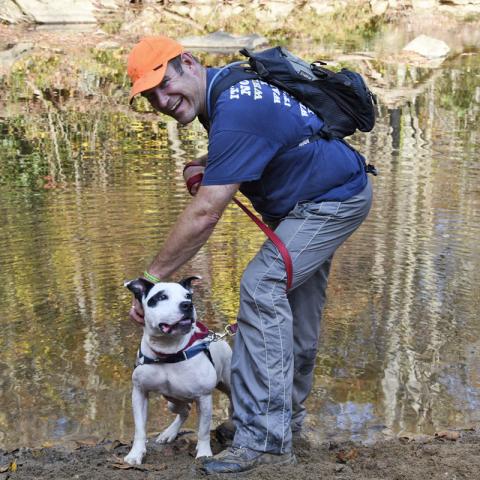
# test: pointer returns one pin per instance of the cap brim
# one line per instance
(148, 81)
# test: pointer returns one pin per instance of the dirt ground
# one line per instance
(449, 455)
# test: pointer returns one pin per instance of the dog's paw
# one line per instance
(167, 436)
(134, 457)
(203, 449)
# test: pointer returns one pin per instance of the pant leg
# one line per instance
(262, 363)
(307, 302)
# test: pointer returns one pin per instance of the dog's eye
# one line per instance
(188, 296)
(163, 297)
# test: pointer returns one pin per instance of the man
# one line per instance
(316, 195)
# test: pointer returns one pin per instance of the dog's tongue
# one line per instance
(165, 327)
(168, 328)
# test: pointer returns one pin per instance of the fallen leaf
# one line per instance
(49, 444)
(448, 435)
(123, 466)
(415, 437)
(89, 442)
(115, 444)
(344, 456)
(117, 459)
(11, 467)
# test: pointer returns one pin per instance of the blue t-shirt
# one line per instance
(255, 139)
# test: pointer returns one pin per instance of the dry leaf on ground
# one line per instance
(345, 456)
(448, 435)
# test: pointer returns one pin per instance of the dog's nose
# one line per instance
(186, 307)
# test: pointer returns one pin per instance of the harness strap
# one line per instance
(142, 359)
(282, 249)
(185, 353)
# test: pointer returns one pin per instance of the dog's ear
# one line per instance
(187, 282)
(139, 287)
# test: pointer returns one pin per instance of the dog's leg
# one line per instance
(140, 409)
(170, 434)
(204, 407)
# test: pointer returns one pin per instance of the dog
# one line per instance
(178, 359)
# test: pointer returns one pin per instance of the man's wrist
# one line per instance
(150, 277)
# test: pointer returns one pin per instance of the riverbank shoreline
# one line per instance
(449, 455)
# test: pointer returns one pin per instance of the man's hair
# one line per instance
(177, 63)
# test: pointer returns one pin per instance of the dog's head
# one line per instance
(168, 307)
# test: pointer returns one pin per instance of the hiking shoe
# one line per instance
(234, 460)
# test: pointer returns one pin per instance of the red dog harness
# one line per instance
(185, 353)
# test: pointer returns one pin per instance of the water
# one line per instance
(89, 190)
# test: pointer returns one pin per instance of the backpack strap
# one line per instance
(226, 77)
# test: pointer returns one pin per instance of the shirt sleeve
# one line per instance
(236, 157)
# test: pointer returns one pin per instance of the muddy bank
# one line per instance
(453, 455)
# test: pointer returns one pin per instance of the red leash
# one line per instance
(282, 249)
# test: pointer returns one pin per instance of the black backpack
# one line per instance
(342, 100)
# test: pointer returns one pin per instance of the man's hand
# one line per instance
(189, 172)
(136, 313)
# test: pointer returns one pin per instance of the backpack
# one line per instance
(342, 100)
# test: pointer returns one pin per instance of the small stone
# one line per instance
(428, 47)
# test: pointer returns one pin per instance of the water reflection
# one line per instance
(87, 195)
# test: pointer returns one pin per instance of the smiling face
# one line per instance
(181, 94)
(169, 310)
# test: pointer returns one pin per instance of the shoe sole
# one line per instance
(290, 461)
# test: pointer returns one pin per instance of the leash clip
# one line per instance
(231, 329)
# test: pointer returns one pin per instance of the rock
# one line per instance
(321, 7)
(11, 13)
(108, 45)
(274, 11)
(57, 11)
(10, 56)
(379, 7)
(221, 41)
(428, 47)
(424, 4)
(143, 23)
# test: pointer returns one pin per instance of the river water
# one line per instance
(88, 192)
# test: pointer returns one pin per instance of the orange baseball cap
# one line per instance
(148, 61)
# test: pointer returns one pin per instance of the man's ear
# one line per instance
(188, 60)
(139, 287)
(187, 282)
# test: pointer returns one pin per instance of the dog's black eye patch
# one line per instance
(158, 297)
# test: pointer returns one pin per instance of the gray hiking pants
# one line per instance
(276, 343)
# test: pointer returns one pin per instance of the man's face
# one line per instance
(180, 95)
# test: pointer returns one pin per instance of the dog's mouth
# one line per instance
(183, 326)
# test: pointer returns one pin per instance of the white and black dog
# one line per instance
(178, 359)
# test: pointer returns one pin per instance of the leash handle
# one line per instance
(195, 178)
(282, 249)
